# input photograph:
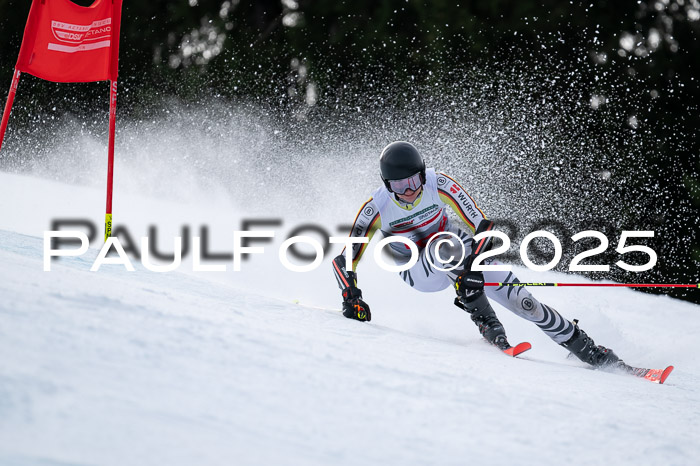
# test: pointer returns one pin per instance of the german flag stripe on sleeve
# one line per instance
(360, 211)
(370, 232)
(447, 199)
(465, 192)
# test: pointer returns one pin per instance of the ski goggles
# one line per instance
(401, 186)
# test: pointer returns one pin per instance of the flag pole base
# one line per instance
(108, 226)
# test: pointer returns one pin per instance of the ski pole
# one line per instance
(629, 285)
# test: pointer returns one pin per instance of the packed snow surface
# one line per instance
(256, 367)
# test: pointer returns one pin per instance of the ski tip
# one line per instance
(657, 375)
(665, 374)
(517, 349)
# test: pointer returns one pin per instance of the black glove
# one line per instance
(470, 283)
(357, 309)
(353, 306)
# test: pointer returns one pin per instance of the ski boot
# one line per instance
(484, 317)
(584, 348)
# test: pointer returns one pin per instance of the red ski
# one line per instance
(653, 375)
(517, 349)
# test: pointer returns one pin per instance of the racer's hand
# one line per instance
(357, 309)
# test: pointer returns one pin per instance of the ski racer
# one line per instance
(413, 202)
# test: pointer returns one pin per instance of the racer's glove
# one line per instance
(470, 283)
(358, 310)
(353, 305)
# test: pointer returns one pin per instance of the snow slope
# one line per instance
(117, 367)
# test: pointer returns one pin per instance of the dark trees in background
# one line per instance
(639, 61)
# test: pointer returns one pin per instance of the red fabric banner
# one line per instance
(65, 42)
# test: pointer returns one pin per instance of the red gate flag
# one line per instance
(65, 42)
(69, 43)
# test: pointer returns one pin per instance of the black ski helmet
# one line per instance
(400, 160)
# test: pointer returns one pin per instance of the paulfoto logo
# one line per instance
(436, 246)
